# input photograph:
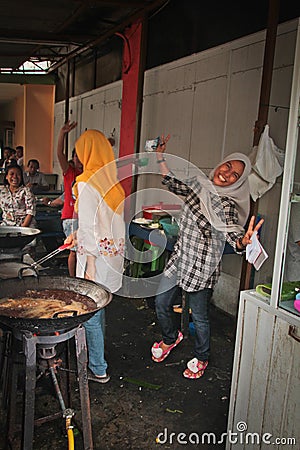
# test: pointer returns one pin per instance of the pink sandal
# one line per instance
(195, 369)
(158, 354)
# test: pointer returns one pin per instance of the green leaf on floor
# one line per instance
(156, 387)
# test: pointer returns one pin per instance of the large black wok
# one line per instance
(14, 287)
(17, 237)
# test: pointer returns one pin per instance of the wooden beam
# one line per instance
(263, 110)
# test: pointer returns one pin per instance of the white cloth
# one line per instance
(267, 161)
(20, 161)
(101, 234)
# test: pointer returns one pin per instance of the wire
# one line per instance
(276, 107)
(126, 41)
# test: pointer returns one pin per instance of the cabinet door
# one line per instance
(264, 402)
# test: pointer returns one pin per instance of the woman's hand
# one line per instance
(68, 126)
(27, 221)
(161, 148)
(46, 200)
(71, 240)
(246, 239)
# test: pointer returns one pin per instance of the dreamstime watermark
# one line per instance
(240, 436)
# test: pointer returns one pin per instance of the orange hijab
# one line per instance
(99, 169)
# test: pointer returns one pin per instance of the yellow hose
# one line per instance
(70, 439)
(70, 433)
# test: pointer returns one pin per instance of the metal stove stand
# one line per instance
(40, 349)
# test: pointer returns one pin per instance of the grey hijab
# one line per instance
(239, 192)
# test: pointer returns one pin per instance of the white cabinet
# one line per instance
(264, 403)
(265, 395)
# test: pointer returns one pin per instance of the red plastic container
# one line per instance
(150, 209)
(148, 212)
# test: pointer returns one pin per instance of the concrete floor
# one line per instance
(143, 398)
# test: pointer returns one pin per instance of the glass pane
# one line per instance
(291, 270)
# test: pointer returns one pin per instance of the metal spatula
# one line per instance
(50, 255)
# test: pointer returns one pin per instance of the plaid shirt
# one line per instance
(196, 259)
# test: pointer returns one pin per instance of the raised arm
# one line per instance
(68, 126)
(164, 170)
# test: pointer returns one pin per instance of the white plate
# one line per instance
(155, 225)
(142, 221)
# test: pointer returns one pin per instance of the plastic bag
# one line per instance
(267, 165)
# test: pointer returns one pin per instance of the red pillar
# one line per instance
(130, 97)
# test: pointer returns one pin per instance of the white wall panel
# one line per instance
(249, 56)
(279, 103)
(285, 50)
(212, 66)
(98, 109)
(244, 92)
(178, 121)
(92, 112)
(101, 110)
(75, 115)
(181, 77)
(112, 114)
(155, 82)
(59, 118)
(209, 111)
(153, 121)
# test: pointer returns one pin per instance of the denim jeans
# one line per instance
(199, 303)
(94, 330)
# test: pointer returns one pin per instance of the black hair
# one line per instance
(13, 166)
(6, 147)
(34, 161)
(10, 163)
(73, 152)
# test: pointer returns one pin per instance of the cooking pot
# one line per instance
(14, 287)
(17, 237)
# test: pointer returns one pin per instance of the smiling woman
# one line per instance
(228, 173)
(17, 202)
(214, 212)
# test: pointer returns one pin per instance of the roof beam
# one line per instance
(137, 15)
(27, 79)
(15, 37)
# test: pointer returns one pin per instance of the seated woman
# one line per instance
(17, 201)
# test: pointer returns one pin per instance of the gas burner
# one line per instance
(38, 352)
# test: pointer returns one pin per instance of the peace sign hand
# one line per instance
(161, 148)
(247, 237)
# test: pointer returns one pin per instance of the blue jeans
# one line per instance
(69, 226)
(199, 303)
(94, 330)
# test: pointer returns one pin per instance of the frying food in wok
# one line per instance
(43, 304)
